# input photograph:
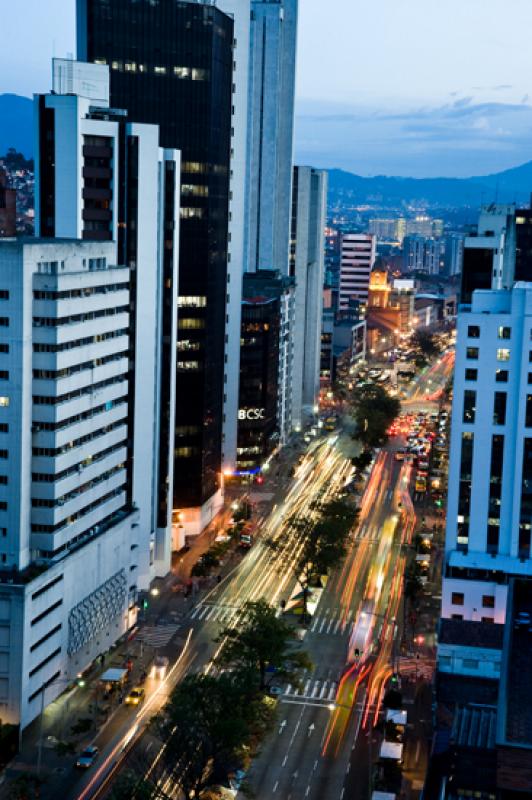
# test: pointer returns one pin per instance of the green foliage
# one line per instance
(373, 410)
(26, 787)
(362, 461)
(64, 748)
(128, 786)
(261, 647)
(83, 725)
(8, 742)
(15, 161)
(424, 341)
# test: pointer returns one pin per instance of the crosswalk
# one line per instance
(157, 635)
(310, 690)
(208, 613)
(332, 622)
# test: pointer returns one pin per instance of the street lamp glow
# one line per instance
(331, 706)
(154, 592)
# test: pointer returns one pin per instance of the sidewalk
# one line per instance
(83, 708)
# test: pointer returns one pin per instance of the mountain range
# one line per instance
(16, 130)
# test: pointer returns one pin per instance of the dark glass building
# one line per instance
(258, 430)
(523, 244)
(171, 64)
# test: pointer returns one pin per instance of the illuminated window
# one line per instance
(503, 332)
(160, 70)
(472, 353)
(503, 354)
(182, 72)
(4, 401)
(191, 213)
(200, 74)
(191, 324)
(192, 301)
(130, 66)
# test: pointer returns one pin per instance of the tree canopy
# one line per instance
(373, 410)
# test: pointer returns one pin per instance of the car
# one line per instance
(135, 696)
(275, 691)
(87, 757)
(159, 667)
(422, 464)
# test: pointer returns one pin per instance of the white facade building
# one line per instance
(489, 514)
(307, 255)
(101, 177)
(357, 260)
(72, 547)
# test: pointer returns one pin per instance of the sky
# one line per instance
(397, 87)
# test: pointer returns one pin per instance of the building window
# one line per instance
(4, 401)
(528, 411)
(499, 408)
(457, 616)
(4, 348)
(473, 331)
(471, 374)
(470, 399)
(3, 532)
(470, 663)
(3, 480)
(4, 322)
(4, 294)
(4, 375)
(501, 376)
(488, 620)
(472, 353)
(504, 332)
(503, 354)
(488, 601)
(457, 598)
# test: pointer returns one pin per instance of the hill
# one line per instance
(508, 186)
(16, 124)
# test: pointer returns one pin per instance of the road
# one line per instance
(321, 749)
(323, 471)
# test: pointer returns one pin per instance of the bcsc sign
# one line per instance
(253, 414)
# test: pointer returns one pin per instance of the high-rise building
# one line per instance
(423, 225)
(423, 254)
(489, 513)
(271, 131)
(489, 255)
(357, 260)
(171, 64)
(103, 178)
(309, 206)
(72, 546)
(8, 206)
(454, 254)
(388, 230)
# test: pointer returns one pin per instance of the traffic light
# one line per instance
(145, 603)
(395, 679)
(439, 503)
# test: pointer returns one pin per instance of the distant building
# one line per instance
(424, 226)
(454, 254)
(8, 206)
(388, 230)
(309, 203)
(423, 254)
(358, 252)
(326, 348)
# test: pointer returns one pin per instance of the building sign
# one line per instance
(251, 413)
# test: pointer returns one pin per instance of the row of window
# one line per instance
(55, 322)
(503, 354)
(69, 294)
(503, 332)
(41, 347)
(43, 400)
(79, 514)
(83, 417)
(67, 372)
(182, 73)
(53, 452)
(46, 477)
(488, 600)
(38, 502)
(499, 408)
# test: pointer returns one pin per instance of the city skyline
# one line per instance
(471, 118)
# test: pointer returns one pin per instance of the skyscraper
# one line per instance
(489, 515)
(489, 255)
(103, 178)
(271, 132)
(172, 64)
(357, 260)
(307, 254)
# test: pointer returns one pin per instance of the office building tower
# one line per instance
(489, 513)
(102, 178)
(8, 206)
(271, 125)
(357, 260)
(309, 207)
(423, 254)
(172, 65)
(258, 430)
(72, 545)
(489, 255)
(454, 254)
(422, 225)
(388, 230)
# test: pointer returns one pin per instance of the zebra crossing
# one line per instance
(213, 613)
(157, 635)
(333, 622)
(311, 691)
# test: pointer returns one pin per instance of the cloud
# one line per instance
(462, 137)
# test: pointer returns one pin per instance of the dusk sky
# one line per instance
(404, 87)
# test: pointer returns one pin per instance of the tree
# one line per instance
(262, 646)
(204, 726)
(374, 410)
(424, 341)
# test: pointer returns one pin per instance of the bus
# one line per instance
(360, 639)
